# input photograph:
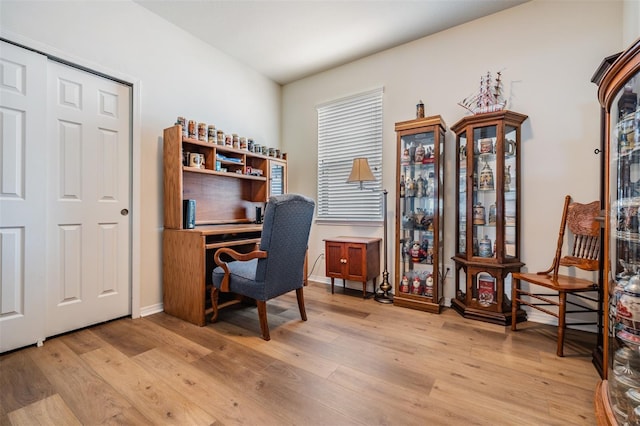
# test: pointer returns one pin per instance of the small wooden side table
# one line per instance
(353, 258)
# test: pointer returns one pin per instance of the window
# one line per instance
(349, 128)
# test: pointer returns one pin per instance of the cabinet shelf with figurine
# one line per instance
(487, 214)
(617, 398)
(419, 272)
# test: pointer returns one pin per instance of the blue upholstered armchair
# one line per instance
(277, 266)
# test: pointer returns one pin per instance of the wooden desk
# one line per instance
(353, 258)
(187, 262)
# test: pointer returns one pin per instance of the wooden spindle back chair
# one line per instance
(583, 253)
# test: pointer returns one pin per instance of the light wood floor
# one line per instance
(354, 362)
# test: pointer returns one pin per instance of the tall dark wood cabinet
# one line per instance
(487, 214)
(419, 272)
(617, 397)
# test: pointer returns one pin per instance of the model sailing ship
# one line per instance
(489, 98)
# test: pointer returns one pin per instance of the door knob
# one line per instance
(124, 212)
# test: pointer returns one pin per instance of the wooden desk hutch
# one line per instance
(225, 215)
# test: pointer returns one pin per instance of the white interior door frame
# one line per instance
(136, 138)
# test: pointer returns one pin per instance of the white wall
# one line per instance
(547, 51)
(177, 75)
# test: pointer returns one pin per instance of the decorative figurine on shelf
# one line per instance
(408, 222)
(429, 257)
(489, 97)
(405, 159)
(430, 186)
(410, 187)
(420, 109)
(425, 243)
(416, 252)
(507, 178)
(420, 187)
(420, 152)
(486, 178)
(428, 155)
(510, 147)
(486, 145)
(416, 286)
(485, 249)
(462, 153)
(412, 150)
(427, 222)
(428, 286)
(402, 187)
(478, 214)
(404, 286)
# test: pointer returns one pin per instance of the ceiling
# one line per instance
(288, 40)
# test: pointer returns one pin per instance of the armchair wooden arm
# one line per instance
(243, 257)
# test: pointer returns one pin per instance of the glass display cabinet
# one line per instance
(419, 272)
(487, 214)
(618, 394)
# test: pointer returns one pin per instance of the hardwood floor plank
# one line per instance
(135, 343)
(82, 341)
(21, 381)
(90, 398)
(397, 398)
(209, 391)
(180, 346)
(48, 411)
(317, 365)
(157, 402)
(269, 390)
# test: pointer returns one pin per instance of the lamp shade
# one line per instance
(360, 171)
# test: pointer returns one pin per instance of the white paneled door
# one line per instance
(88, 222)
(23, 182)
(66, 182)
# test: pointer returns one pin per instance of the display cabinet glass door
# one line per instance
(418, 177)
(624, 255)
(493, 191)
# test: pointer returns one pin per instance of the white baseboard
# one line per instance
(152, 309)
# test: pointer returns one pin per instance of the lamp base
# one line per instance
(383, 296)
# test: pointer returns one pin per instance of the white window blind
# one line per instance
(349, 128)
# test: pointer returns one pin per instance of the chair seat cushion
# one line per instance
(562, 283)
(242, 277)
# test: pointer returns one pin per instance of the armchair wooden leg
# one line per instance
(300, 297)
(514, 303)
(562, 308)
(262, 314)
(214, 304)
